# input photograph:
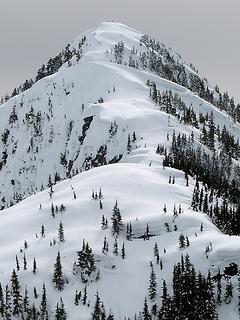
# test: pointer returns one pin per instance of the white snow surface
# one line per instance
(141, 190)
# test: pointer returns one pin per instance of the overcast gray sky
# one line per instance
(204, 32)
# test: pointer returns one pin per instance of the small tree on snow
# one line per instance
(61, 232)
(116, 219)
(57, 274)
(152, 289)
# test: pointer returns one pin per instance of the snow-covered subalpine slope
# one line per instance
(94, 126)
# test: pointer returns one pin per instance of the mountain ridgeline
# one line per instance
(120, 177)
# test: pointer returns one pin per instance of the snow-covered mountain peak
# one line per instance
(118, 116)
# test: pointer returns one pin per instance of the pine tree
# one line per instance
(105, 245)
(61, 232)
(17, 263)
(17, 298)
(146, 315)
(84, 300)
(161, 264)
(104, 223)
(35, 292)
(25, 244)
(24, 262)
(115, 247)
(43, 306)
(60, 313)
(7, 307)
(165, 311)
(42, 231)
(123, 253)
(76, 300)
(26, 301)
(97, 311)
(219, 289)
(152, 288)
(147, 233)
(52, 210)
(86, 262)
(116, 220)
(57, 274)
(2, 307)
(34, 265)
(228, 292)
(100, 195)
(129, 231)
(181, 241)
(129, 146)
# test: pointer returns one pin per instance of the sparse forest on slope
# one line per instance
(147, 218)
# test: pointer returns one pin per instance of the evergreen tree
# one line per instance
(43, 306)
(7, 306)
(57, 274)
(42, 231)
(24, 262)
(17, 263)
(26, 301)
(181, 241)
(219, 289)
(17, 298)
(145, 314)
(61, 232)
(34, 265)
(129, 231)
(84, 299)
(35, 292)
(116, 220)
(86, 262)
(152, 288)
(166, 308)
(2, 307)
(123, 253)
(52, 210)
(60, 313)
(228, 292)
(105, 245)
(97, 311)
(115, 247)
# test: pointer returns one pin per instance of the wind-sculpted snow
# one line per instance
(141, 192)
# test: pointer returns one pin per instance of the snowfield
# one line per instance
(141, 192)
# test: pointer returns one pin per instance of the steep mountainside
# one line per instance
(143, 142)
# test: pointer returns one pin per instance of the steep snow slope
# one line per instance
(80, 118)
(58, 127)
(141, 192)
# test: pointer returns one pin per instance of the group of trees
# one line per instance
(193, 295)
(215, 169)
(18, 305)
(161, 60)
(49, 68)
(85, 264)
(220, 192)
(173, 104)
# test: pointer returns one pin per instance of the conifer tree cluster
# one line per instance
(51, 67)
(218, 185)
(159, 59)
(116, 219)
(85, 263)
